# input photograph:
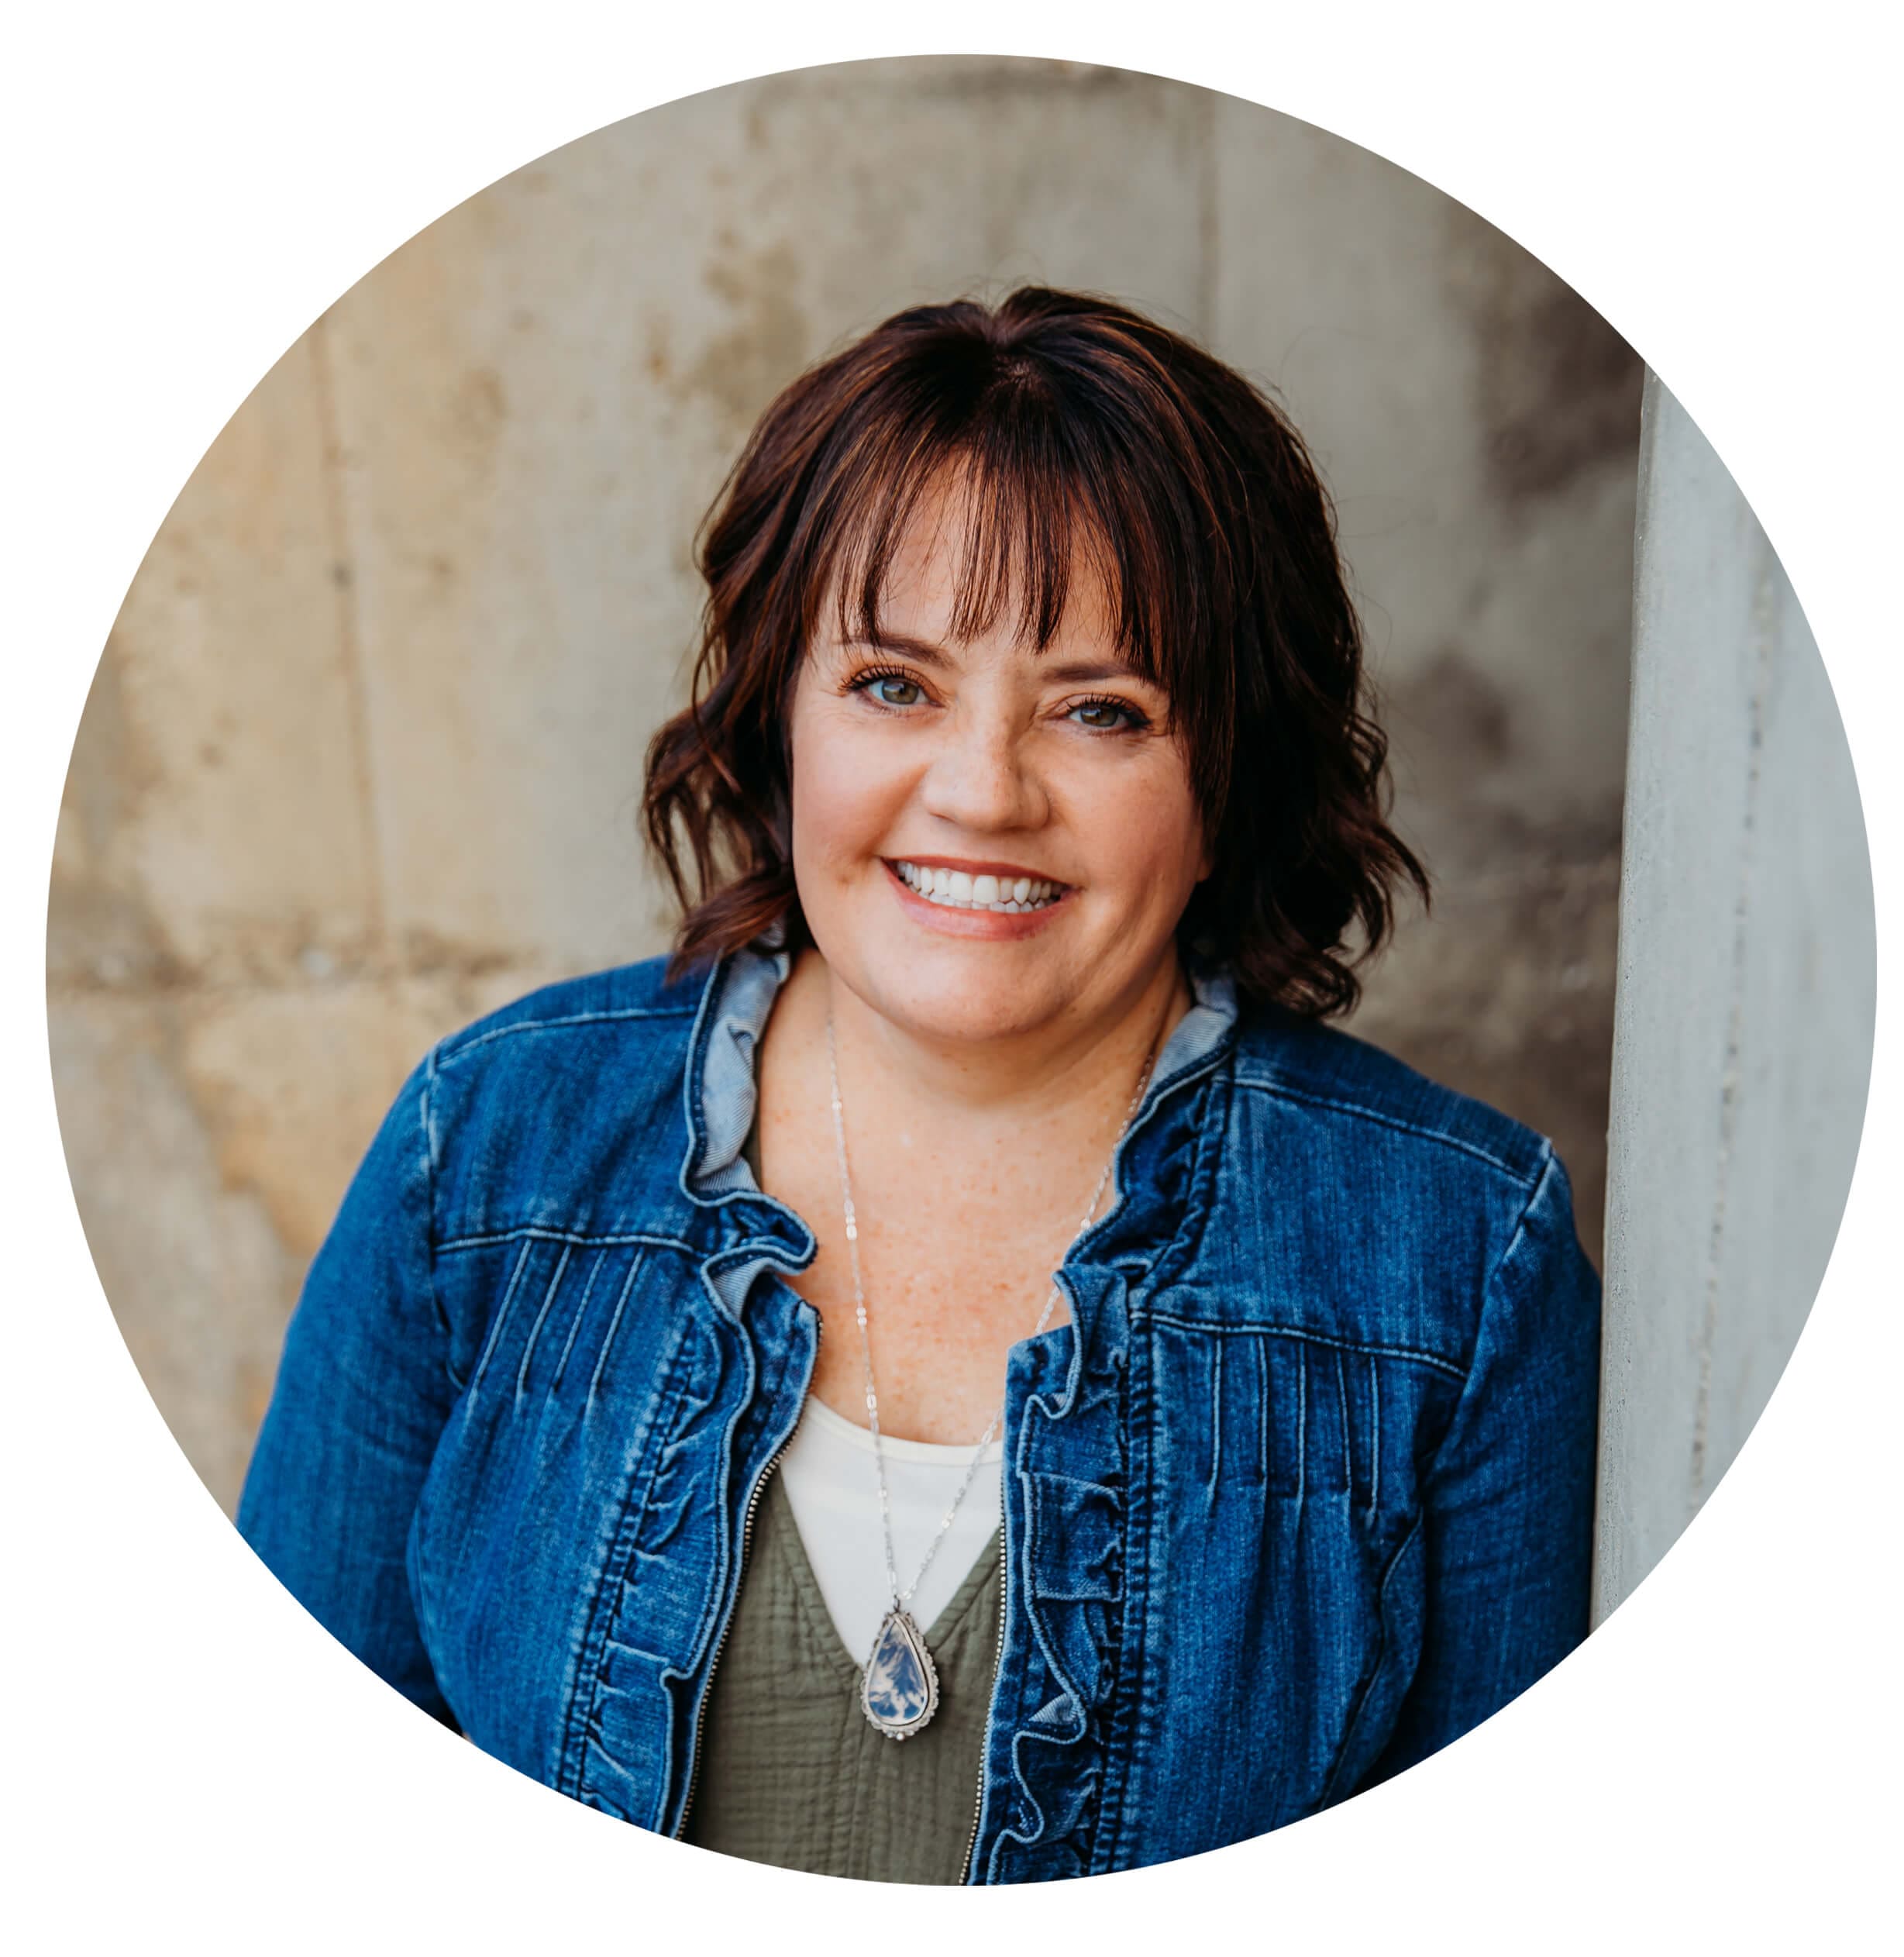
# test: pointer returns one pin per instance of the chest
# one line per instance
(955, 1258)
(1197, 1524)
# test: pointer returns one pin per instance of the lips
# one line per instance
(1001, 889)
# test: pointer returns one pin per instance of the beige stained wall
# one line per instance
(363, 757)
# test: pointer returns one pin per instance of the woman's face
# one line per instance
(936, 783)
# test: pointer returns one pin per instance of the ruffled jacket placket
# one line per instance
(1073, 1591)
(1064, 1705)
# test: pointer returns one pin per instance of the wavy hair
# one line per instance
(1081, 432)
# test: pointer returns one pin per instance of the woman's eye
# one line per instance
(1106, 716)
(893, 690)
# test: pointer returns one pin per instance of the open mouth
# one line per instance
(958, 890)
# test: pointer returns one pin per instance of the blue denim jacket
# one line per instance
(1302, 1491)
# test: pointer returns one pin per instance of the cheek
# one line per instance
(842, 795)
(1147, 834)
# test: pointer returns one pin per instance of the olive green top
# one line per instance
(791, 1772)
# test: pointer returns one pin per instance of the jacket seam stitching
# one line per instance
(500, 1322)
(1548, 1158)
(1124, 1715)
(1281, 1090)
(432, 1249)
(1520, 1230)
(1370, 1347)
(484, 1239)
(456, 1050)
(1548, 1161)
(1375, 1670)
(719, 1610)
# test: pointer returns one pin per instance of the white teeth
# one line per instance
(959, 890)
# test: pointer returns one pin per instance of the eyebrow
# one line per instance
(1081, 670)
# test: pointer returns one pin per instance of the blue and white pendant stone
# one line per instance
(899, 1692)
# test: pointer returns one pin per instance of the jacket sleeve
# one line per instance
(362, 1392)
(1507, 1515)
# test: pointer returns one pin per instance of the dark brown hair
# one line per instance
(1075, 425)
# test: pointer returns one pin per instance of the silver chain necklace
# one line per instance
(899, 1687)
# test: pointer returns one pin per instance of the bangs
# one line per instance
(1030, 499)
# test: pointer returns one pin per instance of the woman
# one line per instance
(1028, 825)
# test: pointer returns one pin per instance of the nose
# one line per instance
(982, 775)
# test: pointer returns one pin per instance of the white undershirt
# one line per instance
(832, 1485)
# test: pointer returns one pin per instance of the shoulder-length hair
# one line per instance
(1079, 430)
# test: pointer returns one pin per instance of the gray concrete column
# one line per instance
(1745, 1001)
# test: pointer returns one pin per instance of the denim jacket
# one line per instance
(1302, 1490)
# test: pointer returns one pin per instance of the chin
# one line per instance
(957, 993)
(954, 1020)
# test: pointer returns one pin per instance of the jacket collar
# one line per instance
(721, 1092)
(1153, 1164)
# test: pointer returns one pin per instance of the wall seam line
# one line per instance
(1762, 647)
(345, 583)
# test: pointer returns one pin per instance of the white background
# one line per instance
(189, 1760)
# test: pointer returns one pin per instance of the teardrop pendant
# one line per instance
(899, 1690)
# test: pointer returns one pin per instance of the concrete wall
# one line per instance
(362, 756)
(1746, 1001)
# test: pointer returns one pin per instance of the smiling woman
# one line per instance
(708, 1382)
